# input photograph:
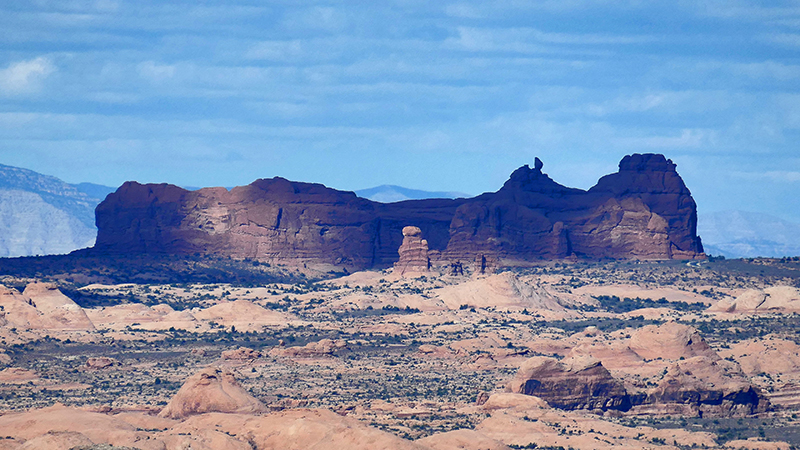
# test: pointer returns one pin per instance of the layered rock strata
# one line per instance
(413, 253)
(695, 380)
(576, 383)
(644, 211)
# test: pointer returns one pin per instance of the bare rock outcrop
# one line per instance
(644, 211)
(711, 387)
(574, 383)
(413, 253)
(211, 390)
(323, 347)
(241, 354)
(775, 299)
(691, 378)
(42, 306)
(100, 363)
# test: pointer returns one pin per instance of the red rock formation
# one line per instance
(576, 383)
(644, 211)
(413, 253)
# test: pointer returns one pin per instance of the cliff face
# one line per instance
(644, 211)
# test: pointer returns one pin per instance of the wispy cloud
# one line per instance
(779, 176)
(24, 77)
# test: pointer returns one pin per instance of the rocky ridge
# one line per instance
(644, 211)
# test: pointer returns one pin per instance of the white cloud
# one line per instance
(25, 76)
(531, 40)
(156, 72)
(688, 138)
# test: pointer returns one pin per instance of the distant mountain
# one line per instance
(741, 234)
(42, 215)
(388, 193)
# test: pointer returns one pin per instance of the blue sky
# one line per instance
(447, 96)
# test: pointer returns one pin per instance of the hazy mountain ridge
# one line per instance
(40, 214)
(742, 234)
(389, 193)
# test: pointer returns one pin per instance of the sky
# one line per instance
(441, 96)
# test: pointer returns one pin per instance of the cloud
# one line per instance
(155, 71)
(779, 176)
(532, 40)
(275, 50)
(25, 77)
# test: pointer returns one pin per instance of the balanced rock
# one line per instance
(211, 390)
(413, 253)
(574, 383)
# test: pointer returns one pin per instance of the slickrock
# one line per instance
(137, 315)
(776, 299)
(241, 354)
(644, 211)
(670, 340)
(574, 383)
(57, 307)
(211, 390)
(42, 307)
(99, 363)
(503, 291)
(57, 440)
(245, 316)
(323, 347)
(413, 253)
(506, 401)
(462, 440)
(299, 429)
(99, 428)
(17, 375)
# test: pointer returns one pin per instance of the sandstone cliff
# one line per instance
(644, 211)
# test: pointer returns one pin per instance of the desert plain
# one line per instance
(583, 355)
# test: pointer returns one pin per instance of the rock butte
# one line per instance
(644, 211)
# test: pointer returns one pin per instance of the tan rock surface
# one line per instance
(323, 347)
(139, 316)
(245, 316)
(241, 354)
(62, 312)
(99, 428)
(503, 290)
(299, 429)
(57, 440)
(17, 375)
(776, 299)
(462, 440)
(211, 390)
